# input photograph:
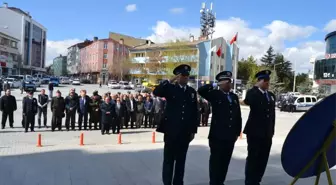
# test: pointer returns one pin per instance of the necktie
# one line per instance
(229, 98)
(266, 95)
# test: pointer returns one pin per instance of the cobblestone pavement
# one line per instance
(101, 161)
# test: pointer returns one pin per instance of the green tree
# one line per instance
(268, 58)
(304, 84)
(247, 70)
(276, 86)
(283, 70)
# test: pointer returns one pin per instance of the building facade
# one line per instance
(60, 66)
(31, 35)
(103, 59)
(325, 68)
(9, 53)
(155, 62)
(74, 59)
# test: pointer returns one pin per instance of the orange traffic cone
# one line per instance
(153, 137)
(119, 138)
(39, 140)
(81, 139)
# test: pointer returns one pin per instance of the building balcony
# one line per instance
(140, 59)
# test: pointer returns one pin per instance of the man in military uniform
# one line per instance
(42, 102)
(226, 125)
(71, 105)
(57, 106)
(179, 123)
(29, 110)
(259, 128)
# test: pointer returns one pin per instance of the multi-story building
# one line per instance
(325, 68)
(31, 37)
(60, 65)
(73, 57)
(128, 40)
(9, 53)
(154, 62)
(104, 59)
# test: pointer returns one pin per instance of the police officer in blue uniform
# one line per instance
(179, 123)
(226, 125)
(259, 128)
(29, 110)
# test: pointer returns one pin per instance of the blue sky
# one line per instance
(80, 19)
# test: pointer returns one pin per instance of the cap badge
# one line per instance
(266, 72)
(186, 67)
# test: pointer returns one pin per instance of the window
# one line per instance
(14, 44)
(104, 65)
(308, 100)
(105, 45)
(300, 100)
(105, 56)
(313, 99)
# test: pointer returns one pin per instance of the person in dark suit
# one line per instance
(71, 105)
(57, 106)
(148, 112)
(42, 102)
(226, 125)
(179, 125)
(131, 109)
(29, 110)
(95, 113)
(7, 106)
(83, 109)
(259, 128)
(108, 113)
(120, 113)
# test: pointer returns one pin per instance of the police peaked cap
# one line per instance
(182, 69)
(263, 75)
(224, 75)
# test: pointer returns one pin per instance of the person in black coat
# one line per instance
(83, 109)
(108, 113)
(57, 106)
(131, 109)
(226, 125)
(51, 89)
(179, 124)
(259, 128)
(120, 113)
(71, 105)
(7, 106)
(29, 110)
(95, 113)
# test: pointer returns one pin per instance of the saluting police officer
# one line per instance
(29, 110)
(259, 128)
(179, 123)
(226, 125)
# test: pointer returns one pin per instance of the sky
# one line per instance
(296, 28)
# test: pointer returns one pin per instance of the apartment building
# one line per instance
(60, 65)
(73, 58)
(9, 53)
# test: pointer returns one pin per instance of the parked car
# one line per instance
(54, 81)
(302, 103)
(124, 85)
(29, 86)
(14, 83)
(76, 81)
(113, 85)
(143, 89)
(65, 80)
(37, 82)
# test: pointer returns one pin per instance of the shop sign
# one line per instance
(3, 58)
(330, 56)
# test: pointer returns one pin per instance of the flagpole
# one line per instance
(235, 66)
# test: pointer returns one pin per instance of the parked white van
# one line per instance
(304, 102)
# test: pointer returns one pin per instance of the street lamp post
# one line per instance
(294, 76)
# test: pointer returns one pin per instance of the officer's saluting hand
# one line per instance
(179, 123)
(226, 124)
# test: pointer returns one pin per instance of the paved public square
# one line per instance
(137, 161)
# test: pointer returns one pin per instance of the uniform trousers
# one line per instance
(205, 119)
(220, 157)
(82, 117)
(70, 118)
(29, 120)
(42, 111)
(4, 119)
(258, 150)
(174, 158)
(56, 122)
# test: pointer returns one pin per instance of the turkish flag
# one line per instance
(234, 39)
(219, 51)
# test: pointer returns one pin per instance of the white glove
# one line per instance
(39, 105)
(214, 85)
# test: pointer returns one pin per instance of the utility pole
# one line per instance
(294, 76)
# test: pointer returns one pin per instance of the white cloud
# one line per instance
(330, 26)
(56, 48)
(176, 10)
(254, 41)
(131, 7)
